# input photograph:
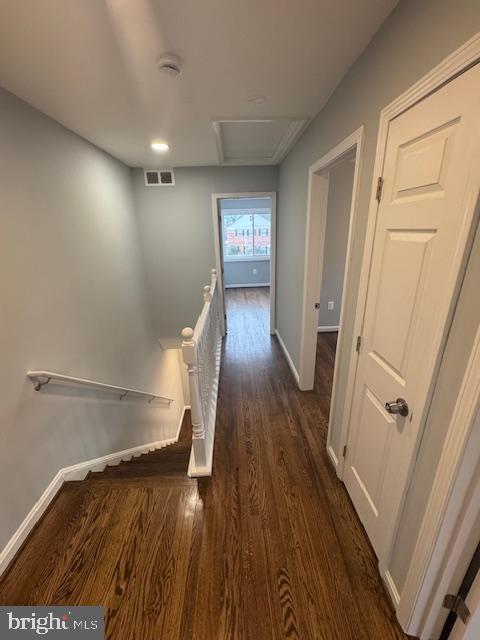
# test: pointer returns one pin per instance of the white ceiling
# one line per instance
(91, 65)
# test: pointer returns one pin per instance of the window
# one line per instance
(246, 234)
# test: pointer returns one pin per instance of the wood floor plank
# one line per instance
(267, 548)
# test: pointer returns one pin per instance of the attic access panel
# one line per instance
(256, 141)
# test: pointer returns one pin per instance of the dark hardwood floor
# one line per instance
(269, 547)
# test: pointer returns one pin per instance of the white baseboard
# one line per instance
(333, 458)
(327, 329)
(180, 422)
(242, 286)
(79, 471)
(287, 356)
(36, 512)
(74, 472)
(391, 587)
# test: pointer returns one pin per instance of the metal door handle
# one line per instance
(399, 407)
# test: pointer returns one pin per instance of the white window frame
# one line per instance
(248, 212)
(218, 240)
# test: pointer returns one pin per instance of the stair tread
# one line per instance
(146, 469)
(154, 482)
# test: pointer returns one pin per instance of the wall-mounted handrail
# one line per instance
(41, 378)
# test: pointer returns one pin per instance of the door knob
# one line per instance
(399, 406)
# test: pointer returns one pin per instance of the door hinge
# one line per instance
(359, 343)
(345, 451)
(379, 189)
(458, 606)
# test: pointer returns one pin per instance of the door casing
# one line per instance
(318, 184)
(218, 246)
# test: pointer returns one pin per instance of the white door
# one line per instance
(431, 178)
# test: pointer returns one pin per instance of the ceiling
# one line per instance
(91, 65)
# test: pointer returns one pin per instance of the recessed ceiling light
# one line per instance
(160, 147)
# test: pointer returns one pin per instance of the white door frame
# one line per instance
(273, 245)
(318, 183)
(407, 604)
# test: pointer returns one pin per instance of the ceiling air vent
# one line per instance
(159, 178)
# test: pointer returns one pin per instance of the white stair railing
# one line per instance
(201, 349)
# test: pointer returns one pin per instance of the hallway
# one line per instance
(268, 547)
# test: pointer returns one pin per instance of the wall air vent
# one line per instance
(159, 177)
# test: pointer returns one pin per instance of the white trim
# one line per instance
(186, 408)
(231, 259)
(286, 142)
(315, 239)
(73, 472)
(216, 214)
(273, 263)
(459, 60)
(36, 512)
(428, 555)
(461, 517)
(333, 456)
(194, 471)
(248, 211)
(327, 329)
(391, 588)
(244, 286)
(251, 211)
(287, 356)
(80, 470)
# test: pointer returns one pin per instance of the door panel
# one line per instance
(368, 477)
(423, 162)
(399, 296)
(422, 228)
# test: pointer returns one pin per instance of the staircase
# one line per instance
(165, 467)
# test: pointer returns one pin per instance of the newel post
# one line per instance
(189, 353)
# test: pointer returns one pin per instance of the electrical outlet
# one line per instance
(331, 305)
(254, 272)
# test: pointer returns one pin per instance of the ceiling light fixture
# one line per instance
(160, 147)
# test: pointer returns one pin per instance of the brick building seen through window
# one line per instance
(246, 234)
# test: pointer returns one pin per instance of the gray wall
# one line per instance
(416, 37)
(241, 272)
(72, 301)
(177, 236)
(340, 186)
